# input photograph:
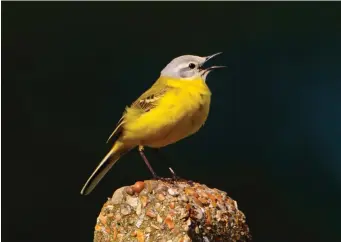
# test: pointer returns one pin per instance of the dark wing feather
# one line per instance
(150, 98)
(146, 102)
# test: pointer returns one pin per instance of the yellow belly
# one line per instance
(183, 128)
(179, 114)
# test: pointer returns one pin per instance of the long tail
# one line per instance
(108, 161)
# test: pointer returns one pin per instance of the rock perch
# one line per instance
(170, 211)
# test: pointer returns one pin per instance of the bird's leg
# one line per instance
(174, 176)
(147, 162)
(164, 158)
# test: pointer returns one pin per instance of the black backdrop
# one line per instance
(272, 140)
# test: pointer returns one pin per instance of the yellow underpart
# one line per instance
(178, 114)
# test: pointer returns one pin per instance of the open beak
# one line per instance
(209, 69)
(211, 56)
(214, 67)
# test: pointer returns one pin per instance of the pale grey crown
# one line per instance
(184, 67)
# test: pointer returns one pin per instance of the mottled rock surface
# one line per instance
(168, 211)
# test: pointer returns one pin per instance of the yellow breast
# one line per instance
(179, 113)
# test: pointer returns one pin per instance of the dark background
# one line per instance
(272, 140)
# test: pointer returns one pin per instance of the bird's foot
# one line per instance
(173, 179)
(174, 176)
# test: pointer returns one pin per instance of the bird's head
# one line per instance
(189, 67)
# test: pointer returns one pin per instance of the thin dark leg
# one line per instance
(147, 162)
(161, 155)
(174, 176)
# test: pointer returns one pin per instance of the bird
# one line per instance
(174, 107)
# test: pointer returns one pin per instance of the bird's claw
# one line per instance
(167, 179)
(174, 178)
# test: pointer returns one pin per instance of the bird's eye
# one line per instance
(191, 65)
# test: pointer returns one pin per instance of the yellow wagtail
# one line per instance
(176, 106)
